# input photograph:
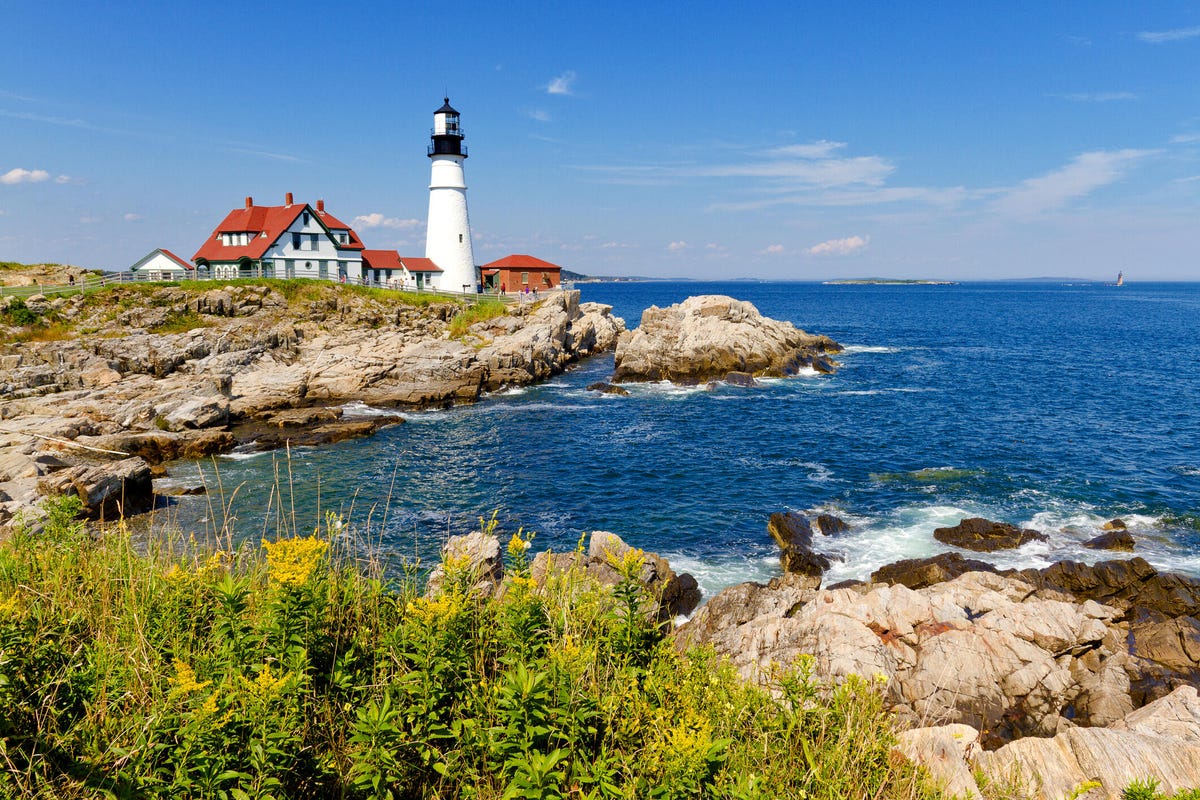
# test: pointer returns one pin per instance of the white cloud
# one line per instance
(1085, 174)
(615, 245)
(675, 247)
(378, 220)
(1158, 37)
(714, 246)
(131, 217)
(1186, 138)
(562, 84)
(1099, 97)
(818, 149)
(838, 247)
(538, 114)
(771, 250)
(88, 219)
(18, 175)
(61, 179)
(265, 154)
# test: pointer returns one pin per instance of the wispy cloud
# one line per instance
(1174, 35)
(1099, 97)
(1083, 175)
(1186, 138)
(378, 220)
(66, 122)
(675, 247)
(838, 247)
(563, 84)
(265, 154)
(132, 217)
(772, 250)
(15, 96)
(538, 114)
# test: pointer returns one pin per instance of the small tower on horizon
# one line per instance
(448, 234)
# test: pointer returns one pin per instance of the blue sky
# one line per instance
(710, 140)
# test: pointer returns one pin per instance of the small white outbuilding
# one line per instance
(162, 265)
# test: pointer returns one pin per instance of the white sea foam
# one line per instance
(243, 455)
(851, 349)
(509, 408)
(715, 574)
(1185, 469)
(861, 392)
(358, 408)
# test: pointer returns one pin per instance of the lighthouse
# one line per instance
(448, 235)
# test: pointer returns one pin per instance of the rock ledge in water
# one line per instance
(710, 337)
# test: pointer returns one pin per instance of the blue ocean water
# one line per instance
(1049, 405)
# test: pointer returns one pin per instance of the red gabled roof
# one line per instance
(419, 264)
(333, 222)
(381, 259)
(520, 261)
(272, 220)
(176, 258)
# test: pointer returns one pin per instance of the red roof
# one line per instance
(333, 222)
(519, 261)
(419, 264)
(175, 258)
(381, 259)
(271, 220)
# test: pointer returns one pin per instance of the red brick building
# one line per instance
(518, 272)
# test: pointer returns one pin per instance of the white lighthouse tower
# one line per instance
(448, 235)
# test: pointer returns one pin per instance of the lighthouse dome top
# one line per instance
(446, 107)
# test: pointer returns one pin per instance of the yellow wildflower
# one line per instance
(185, 679)
(176, 574)
(517, 545)
(293, 560)
(266, 686)
(9, 605)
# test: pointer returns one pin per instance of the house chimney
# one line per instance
(249, 202)
(321, 206)
(287, 199)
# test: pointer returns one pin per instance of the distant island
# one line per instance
(577, 277)
(888, 282)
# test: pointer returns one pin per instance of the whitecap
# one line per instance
(1185, 469)
(358, 409)
(716, 574)
(243, 455)
(851, 349)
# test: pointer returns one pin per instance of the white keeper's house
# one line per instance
(293, 240)
(162, 265)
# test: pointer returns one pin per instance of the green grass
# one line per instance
(298, 669)
(481, 311)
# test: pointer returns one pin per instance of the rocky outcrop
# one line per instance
(1160, 742)
(675, 594)
(793, 533)
(476, 559)
(1112, 539)
(711, 336)
(985, 536)
(917, 573)
(250, 354)
(108, 491)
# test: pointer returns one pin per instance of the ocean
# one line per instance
(1055, 406)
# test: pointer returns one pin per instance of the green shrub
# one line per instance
(17, 313)
(285, 670)
(481, 311)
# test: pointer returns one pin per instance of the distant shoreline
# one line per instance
(888, 282)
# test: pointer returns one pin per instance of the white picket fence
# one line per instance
(91, 282)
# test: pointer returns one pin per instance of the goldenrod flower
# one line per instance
(266, 686)
(185, 679)
(293, 560)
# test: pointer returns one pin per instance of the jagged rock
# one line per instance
(1114, 525)
(985, 536)
(108, 491)
(476, 555)
(740, 379)
(979, 649)
(1114, 539)
(707, 337)
(676, 594)
(917, 573)
(1121, 583)
(794, 535)
(607, 388)
(947, 752)
(828, 524)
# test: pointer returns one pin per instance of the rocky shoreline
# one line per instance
(153, 374)
(1060, 676)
